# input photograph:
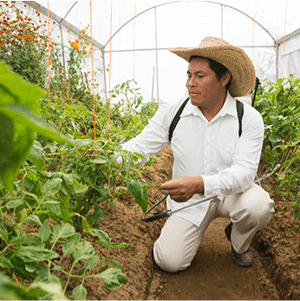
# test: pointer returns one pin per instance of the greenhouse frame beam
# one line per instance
(154, 49)
(207, 1)
(173, 2)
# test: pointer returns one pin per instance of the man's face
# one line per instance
(204, 88)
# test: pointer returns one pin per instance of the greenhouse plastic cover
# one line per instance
(161, 74)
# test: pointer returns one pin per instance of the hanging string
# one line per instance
(93, 80)
(283, 47)
(48, 45)
(108, 113)
(134, 49)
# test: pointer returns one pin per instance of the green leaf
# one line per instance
(66, 214)
(19, 123)
(99, 160)
(51, 187)
(33, 121)
(14, 203)
(71, 244)
(10, 290)
(37, 155)
(105, 240)
(115, 263)
(92, 261)
(62, 231)
(25, 241)
(79, 292)
(44, 231)
(32, 254)
(3, 234)
(85, 224)
(112, 278)
(5, 263)
(137, 190)
(31, 266)
(297, 214)
(33, 219)
(15, 143)
(84, 250)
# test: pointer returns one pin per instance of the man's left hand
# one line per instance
(183, 188)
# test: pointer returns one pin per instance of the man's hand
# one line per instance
(182, 189)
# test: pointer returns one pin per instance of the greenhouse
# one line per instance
(103, 148)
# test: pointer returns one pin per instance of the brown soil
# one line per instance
(213, 275)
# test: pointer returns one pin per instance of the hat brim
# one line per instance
(233, 58)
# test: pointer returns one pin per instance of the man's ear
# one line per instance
(225, 78)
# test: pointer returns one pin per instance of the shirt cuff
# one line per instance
(211, 185)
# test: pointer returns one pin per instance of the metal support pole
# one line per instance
(277, 53)
(153, 84)
(156, 55)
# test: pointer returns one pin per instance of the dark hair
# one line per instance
(218, 68)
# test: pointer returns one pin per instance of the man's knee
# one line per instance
(258, 207)
(170, 260)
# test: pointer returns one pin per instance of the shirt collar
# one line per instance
(229, 108)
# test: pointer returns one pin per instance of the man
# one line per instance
(210, 157)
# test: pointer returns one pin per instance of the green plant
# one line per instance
(40, 197)
(23, 43)
(279, 104)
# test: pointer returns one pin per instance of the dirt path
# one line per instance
(213, 275)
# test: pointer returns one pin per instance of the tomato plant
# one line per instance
(279, 104)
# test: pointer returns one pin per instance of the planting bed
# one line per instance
(275, 273)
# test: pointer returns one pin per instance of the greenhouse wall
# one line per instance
(289, 55)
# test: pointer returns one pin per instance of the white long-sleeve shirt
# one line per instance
(227, 163)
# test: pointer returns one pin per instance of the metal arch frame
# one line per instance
(173, 2)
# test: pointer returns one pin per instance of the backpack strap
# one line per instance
(176, 119)
(239, 108)
(257, 84)
(240, 113)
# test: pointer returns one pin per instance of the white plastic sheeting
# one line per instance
(289, 55)
(181, 23)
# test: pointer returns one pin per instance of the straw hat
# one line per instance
(232, 57)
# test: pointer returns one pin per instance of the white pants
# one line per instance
(179, 240)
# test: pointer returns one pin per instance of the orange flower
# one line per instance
(100, 48)
(70, 99)
(82, 31)
(107, 69)
(74, 45)
(68, 30)
(84, 51)
(76, 41)
(88, 43)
